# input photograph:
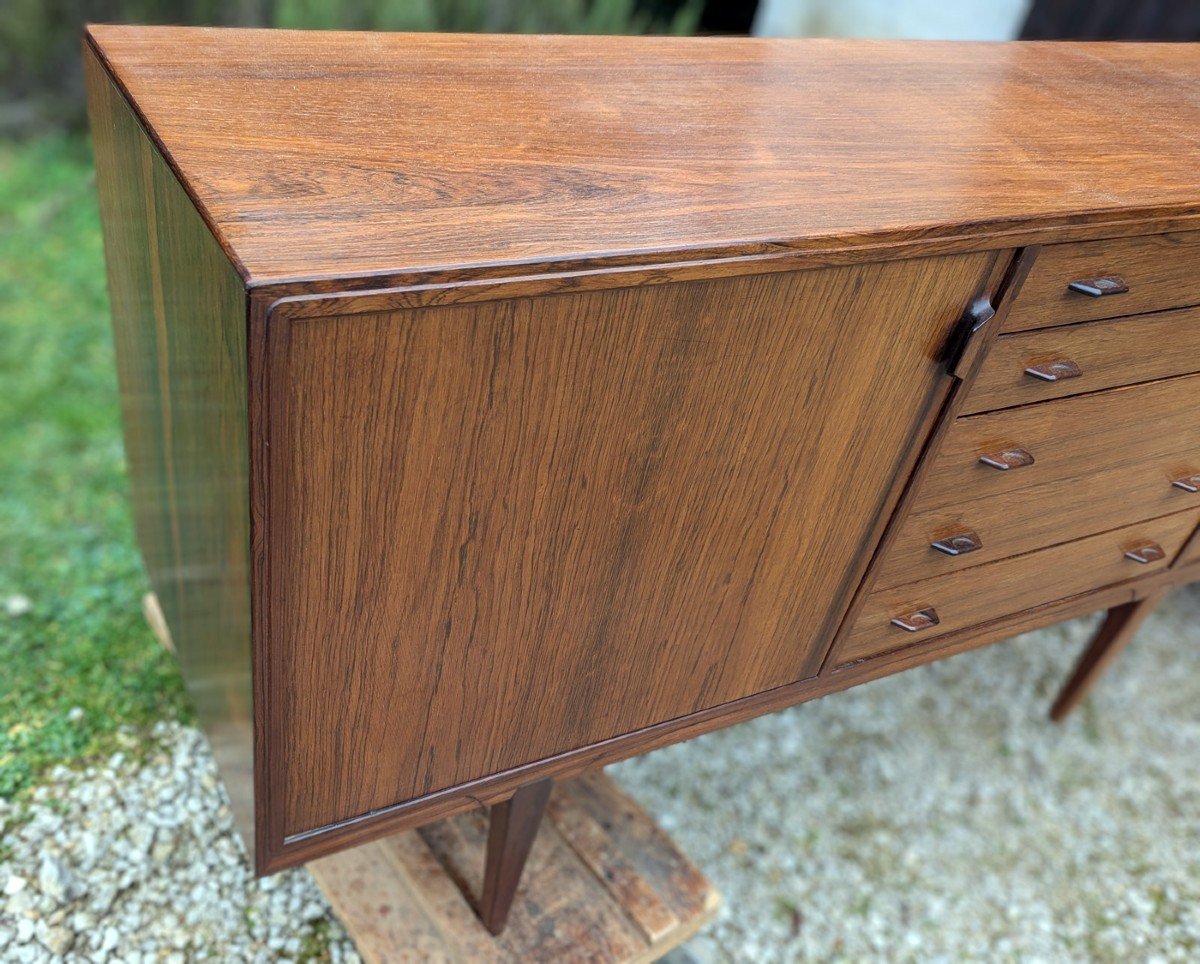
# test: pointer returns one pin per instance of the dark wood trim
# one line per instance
(351, 294)
(270, 836)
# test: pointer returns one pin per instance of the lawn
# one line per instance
(80, 666)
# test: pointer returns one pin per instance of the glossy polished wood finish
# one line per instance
(574, 427)
(1031, 518)
(1108, 354)
(1108, 459)
(576, 529)
(1161, 271)
(978, 595)
(1073, 441)
(512, 826)
(178, 311)
(325, 154)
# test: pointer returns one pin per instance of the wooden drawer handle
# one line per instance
(917, 620)
(1099, 287)
(1006, 459)
(958, 543)
(1146, 552)
(1189, 483)
(1055, 370)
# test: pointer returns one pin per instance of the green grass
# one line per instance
(66, 538)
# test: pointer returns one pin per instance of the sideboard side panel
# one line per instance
(179, 327)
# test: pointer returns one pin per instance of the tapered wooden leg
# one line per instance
(513, 827)
(1112, 637)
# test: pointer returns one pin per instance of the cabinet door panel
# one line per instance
(504, 530)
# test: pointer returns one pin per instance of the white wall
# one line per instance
(914, 19)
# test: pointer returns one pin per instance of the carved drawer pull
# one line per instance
(1099, 287)
(1189, 483)
(917, 620)
(1146, 552)
(1054, 370)
(1006, 459)
(958, 543)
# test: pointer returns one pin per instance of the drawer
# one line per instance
(1086, 358)
(985, 593)
(1160, 271)
(1141, 429)
(1033, 517)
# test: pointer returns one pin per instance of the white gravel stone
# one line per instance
(54, 880)
(117, 866)
(934, 816)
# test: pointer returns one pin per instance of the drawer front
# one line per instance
(1037, 365)
(1145, 428)
(975, 596)
(1160, 271)
(1032, 518)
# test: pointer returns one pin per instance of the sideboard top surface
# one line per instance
(324, 155)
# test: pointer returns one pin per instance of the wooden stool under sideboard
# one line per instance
(497, 408)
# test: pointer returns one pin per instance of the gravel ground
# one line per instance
(933, 816)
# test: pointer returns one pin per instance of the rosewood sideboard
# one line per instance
(497, 408)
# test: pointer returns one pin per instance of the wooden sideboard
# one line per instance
(500, 407)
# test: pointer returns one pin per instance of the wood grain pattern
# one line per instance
(1161, 270)
(515, 518)
(1109, 353)
(179, 315)
(1030, 518)
(836, 678)
(988, 592)
(1001, 291)
(338, 160)
(1096, 468)
(1074, 442)
(610, 886)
